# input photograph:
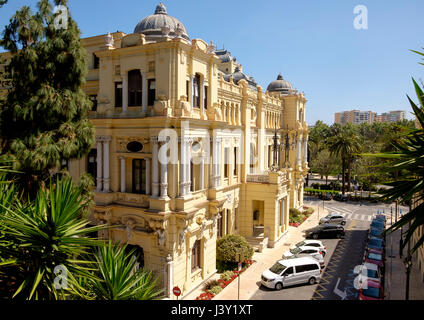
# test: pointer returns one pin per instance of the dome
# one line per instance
(280, 85)
(238, 75)
(155, 26)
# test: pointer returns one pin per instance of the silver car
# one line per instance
(305, 251)
(334, 218)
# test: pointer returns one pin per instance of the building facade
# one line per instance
(392, 116)
(355, 117)
(188, 149)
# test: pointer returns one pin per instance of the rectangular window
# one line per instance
(219, 226)
(92, 164)
(93, 99)
(196, 91)
(187, 89)
(235, 161)
(226, 164)
(228, 226)
(118, 94)
(139, 176)
(96, 62)
(134, 88)
(236, 219)
(151, 92)
(205, 97)
(195, 256)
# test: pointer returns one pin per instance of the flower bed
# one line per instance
(230, 275)
(297, 217)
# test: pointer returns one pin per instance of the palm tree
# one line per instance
(117, 277)
(408, 160)
(37, 237)
(344, 144)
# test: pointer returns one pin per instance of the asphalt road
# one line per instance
(342, 256)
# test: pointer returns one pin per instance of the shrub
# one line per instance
(294, 212)
(210, 284)
(230, 246)
(215, 289)
(226, 276)
(315, 185)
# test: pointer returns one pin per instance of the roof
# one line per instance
(280, 85)
(298, 261)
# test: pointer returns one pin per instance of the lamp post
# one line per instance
(285, 145)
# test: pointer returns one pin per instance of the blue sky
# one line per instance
(313, 43)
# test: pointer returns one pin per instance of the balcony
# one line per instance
(258, 178)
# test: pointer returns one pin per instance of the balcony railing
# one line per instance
(258, 178)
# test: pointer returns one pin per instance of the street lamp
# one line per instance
(284, 145)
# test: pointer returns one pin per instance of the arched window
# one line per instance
(135, 84)
(138, 253)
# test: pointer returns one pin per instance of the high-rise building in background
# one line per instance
(355, 117)
(358, 117)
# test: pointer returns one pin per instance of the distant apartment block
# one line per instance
(355, 117)
(358, 117)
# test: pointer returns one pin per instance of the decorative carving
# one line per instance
(211, 48)
(161, 105)
(109, 41)
(161, 236)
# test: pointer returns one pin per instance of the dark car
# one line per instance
(341, 197)
(327, 230)
(380, 217)
(375, 243)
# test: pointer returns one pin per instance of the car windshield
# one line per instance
(372, 274)
(299, 244)
(374, 256)
(296, 250)
(277, 268)
(371, 292)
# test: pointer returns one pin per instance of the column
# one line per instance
(147, 176)
(125, 92)
(123, 181)
(192, 91)
(202, 173)
(144, 94)
(188, 171)
(99, 160)
(163, 174)
(169, 272)
(305, 150)
(218, 167)
(106, 170)
(202, 96)
(155, 174)
(182, 167)
(214, 161)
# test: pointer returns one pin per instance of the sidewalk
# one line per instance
(395, 272)
(250, 279)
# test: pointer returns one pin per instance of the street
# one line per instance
(342, 255)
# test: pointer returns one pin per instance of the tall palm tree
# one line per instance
(39, 236)
(344, 144)
(408, 159)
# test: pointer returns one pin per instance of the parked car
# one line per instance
(305, 251)
(381, 217)
(334, 218)
(375, 243)
(372, 272)
(375, 257)
(377, 224)
(325, 196)
(291, 272)
(376, 233)
(311, 243)
(326, 230)
(371, 290)
(341, 197)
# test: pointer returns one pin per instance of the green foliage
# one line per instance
(216, 289)
(117, 277)
(44, 117)
(40, 235)
(227, 275)
(230, 246)
(408, 159)
(208, 285)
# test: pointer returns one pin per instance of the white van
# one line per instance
(291, 272)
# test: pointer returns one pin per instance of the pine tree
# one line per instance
(44, 117)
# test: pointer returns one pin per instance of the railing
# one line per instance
(258, 178)
(139, 200)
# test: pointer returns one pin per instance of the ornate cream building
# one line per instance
(227, 176)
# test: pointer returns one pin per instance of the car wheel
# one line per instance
(279, 286)
(312, 281)
(343, 223)
(315, 236)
